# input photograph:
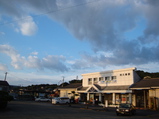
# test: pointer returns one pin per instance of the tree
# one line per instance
(64, 84)
(143, 74)
(75, 81)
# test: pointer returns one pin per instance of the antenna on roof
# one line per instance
(5, 76)
(63, 80)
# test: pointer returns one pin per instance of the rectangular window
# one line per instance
(90, 81)
(113, 78)
(107, 78)
(100, 78)
(95, 80)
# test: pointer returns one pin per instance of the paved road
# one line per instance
(42, 110)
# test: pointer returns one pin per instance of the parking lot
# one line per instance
(45, 110)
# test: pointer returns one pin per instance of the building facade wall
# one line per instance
(115, 78)
(154, 98)
(71, 93)
(66, 92)
(121, 77)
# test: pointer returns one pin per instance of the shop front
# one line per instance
(112, 97)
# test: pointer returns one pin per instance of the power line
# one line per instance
(17, 77)
(50, 12)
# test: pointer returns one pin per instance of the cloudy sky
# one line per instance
(43, 40)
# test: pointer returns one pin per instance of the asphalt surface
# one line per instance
(45, 110)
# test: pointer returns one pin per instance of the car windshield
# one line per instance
(55, 98)
(124, 105)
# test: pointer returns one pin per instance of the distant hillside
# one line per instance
(142, 74)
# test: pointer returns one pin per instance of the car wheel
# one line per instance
(117, 114)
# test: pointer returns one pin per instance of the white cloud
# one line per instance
(29, 78)
(50, 62)
(103, 23)
(28, 26)
(3, 67)
(32, 62)
(34, 53)
(55, 63)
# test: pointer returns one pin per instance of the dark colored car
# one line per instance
(125, 109)
(4, 98)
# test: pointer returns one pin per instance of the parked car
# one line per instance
(60, 100)
(4, 99)
(42, 99)
(125, 109)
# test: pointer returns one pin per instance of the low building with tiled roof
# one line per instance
(70, 90)
(146, 83)
(4, 86)
(147, 93)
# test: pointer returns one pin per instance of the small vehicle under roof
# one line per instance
(125, 109)
(60, 100)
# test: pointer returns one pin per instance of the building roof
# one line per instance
(73, 85)
(4, 83)
(116, 88)
(105, 88)
(110, 71)
(146, 83)
(83, 88)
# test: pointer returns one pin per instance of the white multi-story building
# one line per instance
(111, 86)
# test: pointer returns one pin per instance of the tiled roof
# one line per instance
(146, 83)
(4, 83)
(106, 88)
(82, 88)
(117, 87)
(99, 87)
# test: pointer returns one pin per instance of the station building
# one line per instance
(110, 87)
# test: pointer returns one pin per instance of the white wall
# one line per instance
(136, 77)
(122, 77)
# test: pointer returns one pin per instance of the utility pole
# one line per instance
(63, 81)
(5, 76)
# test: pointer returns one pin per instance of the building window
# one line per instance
(95, 80)
(113, 77)
(90, 81)
(107, 78)
(126, 74)
(100, 78)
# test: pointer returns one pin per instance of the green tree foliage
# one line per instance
(64, 84)
(41, 87)
(75, 81)
(143, 74)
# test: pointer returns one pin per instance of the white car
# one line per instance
(60, 100)
(42, 99)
